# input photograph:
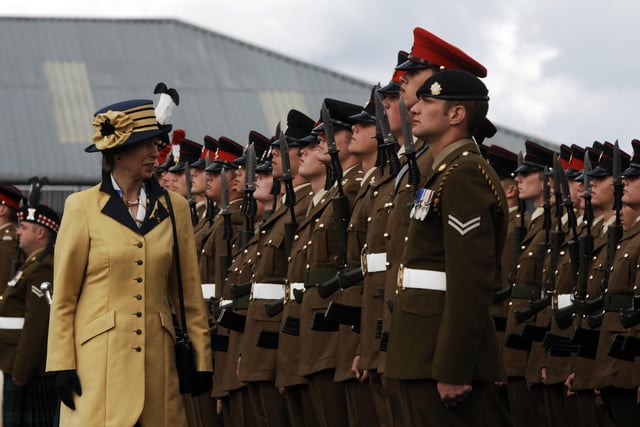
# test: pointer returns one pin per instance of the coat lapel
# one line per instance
(115, 208)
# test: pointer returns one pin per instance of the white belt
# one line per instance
(422, 279)
(564, 300)
(373, 263)
(11, 322)
(225, 302)
(268, 291)
(208, 290)
(295, 286)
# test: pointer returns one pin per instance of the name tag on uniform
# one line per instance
(422, 204)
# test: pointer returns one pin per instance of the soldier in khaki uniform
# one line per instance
(613, 376)
(441, 331)
(374, 261)
(290, 384)
(504, 162)
(215, 252)
(527, 406)
(358, 394)
(319, 338)
(428, 55)
(10, 253)
(556, 366)
(29, 395)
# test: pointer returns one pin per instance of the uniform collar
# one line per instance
(446, 151)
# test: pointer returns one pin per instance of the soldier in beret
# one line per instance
(29, 395)
(429, 54)
(442, 345)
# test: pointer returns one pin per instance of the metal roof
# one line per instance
(56, 72)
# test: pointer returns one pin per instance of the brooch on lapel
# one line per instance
(422, 204)
(153, 215)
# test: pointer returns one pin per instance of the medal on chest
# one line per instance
(15, 279)
(422, 204)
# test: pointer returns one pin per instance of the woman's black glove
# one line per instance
(202, 383)
(68, 382)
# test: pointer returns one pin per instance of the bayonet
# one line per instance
(249, 207)
(381, 159)
(389, 142)
(250, 167)
(332, 149)
(190, 198)
(409, 145)
(227, 230)
(290, 195)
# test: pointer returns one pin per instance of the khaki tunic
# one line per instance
(448, 335)
(373, 291)
(10, 254)
(583, 367)
(609, 371)
(400, 198)
(23, 351)
(258, 363)
(111, 318)
(318, 348)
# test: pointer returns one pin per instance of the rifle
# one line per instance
(519, 232)
(535, 306)
(631, 316)
(587, 340)
(342, 280)
(290, 195)
(291, 226)
(249, 206)
(190, 197)
(564, 316)
(227, 231)
(386, 141)
(614, 233)
(341, 209)
(275, 193)
(409, 146)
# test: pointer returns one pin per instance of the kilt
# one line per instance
(32, 405)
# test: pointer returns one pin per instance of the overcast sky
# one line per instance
(563, 70)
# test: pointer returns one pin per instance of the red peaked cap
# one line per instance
(430, 51)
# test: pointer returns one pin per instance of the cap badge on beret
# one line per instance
(436, 89)
(31, 214)
(112, 128)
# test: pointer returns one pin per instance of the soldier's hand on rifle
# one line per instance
(543, 375)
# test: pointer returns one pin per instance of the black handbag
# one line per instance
(185, 354)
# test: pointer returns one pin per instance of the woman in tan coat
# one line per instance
(111, 337)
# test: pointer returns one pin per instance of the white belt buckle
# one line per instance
(376, 262)
(564, 300)
(424, 279)
(208, 290)
(12, 323)
(268, 291)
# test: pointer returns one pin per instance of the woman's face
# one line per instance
(139, 161)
